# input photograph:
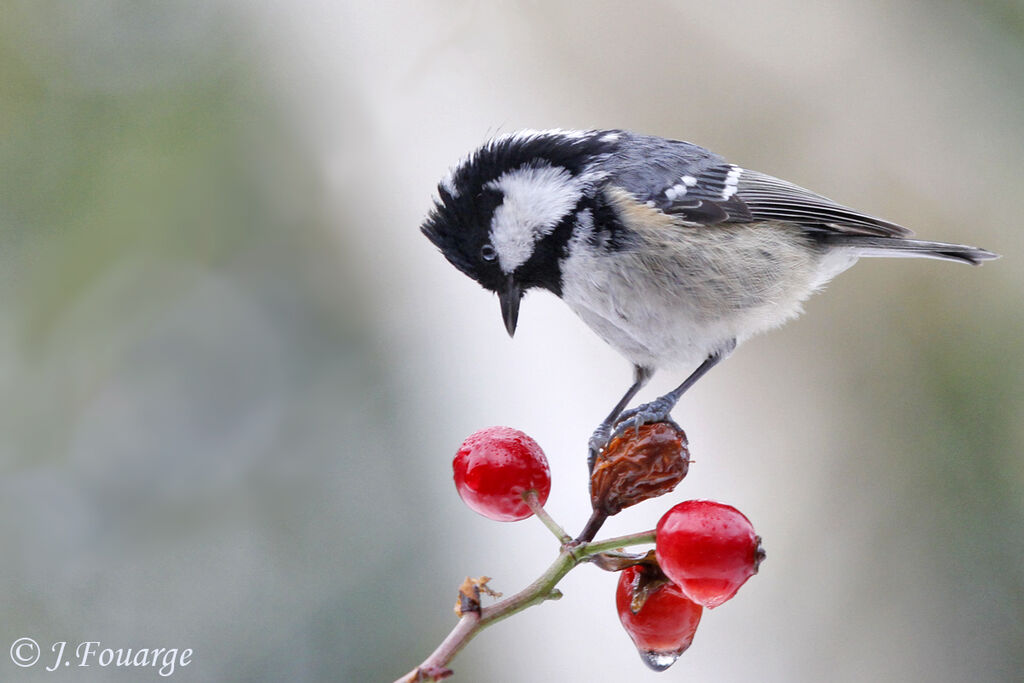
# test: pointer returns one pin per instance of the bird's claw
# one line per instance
(598, 442)
(658, 410)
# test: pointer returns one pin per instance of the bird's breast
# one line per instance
(677, 295)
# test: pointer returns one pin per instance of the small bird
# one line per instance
(668, 252)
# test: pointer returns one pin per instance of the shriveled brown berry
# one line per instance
(638, 465)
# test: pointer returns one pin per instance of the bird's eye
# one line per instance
(488, 253)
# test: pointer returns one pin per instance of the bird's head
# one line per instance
(505, 214)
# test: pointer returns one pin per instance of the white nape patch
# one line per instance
(448, 182)
(609, 137)
(689, 180)
(732, 181)
(536, 198)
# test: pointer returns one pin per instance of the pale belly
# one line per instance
(678, 301)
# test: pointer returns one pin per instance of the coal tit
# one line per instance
(668, 252)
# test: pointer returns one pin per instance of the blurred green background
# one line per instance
(232, 373)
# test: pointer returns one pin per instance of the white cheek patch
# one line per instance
(536, 199)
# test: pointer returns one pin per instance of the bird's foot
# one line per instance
(658, 410)
(598, 442)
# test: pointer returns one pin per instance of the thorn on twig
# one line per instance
(469, 595)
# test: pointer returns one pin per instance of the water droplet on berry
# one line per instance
(659, 661)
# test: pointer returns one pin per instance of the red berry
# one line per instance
(709, 549)
(665, 620)
(494, 467)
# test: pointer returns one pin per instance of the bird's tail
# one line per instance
(869, 245)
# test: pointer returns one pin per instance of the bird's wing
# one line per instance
(699, 187)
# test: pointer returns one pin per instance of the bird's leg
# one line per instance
(659, 409)
(599, 439)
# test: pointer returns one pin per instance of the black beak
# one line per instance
(510, 298)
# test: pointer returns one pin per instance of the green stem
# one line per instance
(596, 547)
(542, 589)
(530, 497)
(534, 594)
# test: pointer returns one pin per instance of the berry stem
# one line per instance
(619, 542)
(543, 588)
(531, 499)
(597, 519)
